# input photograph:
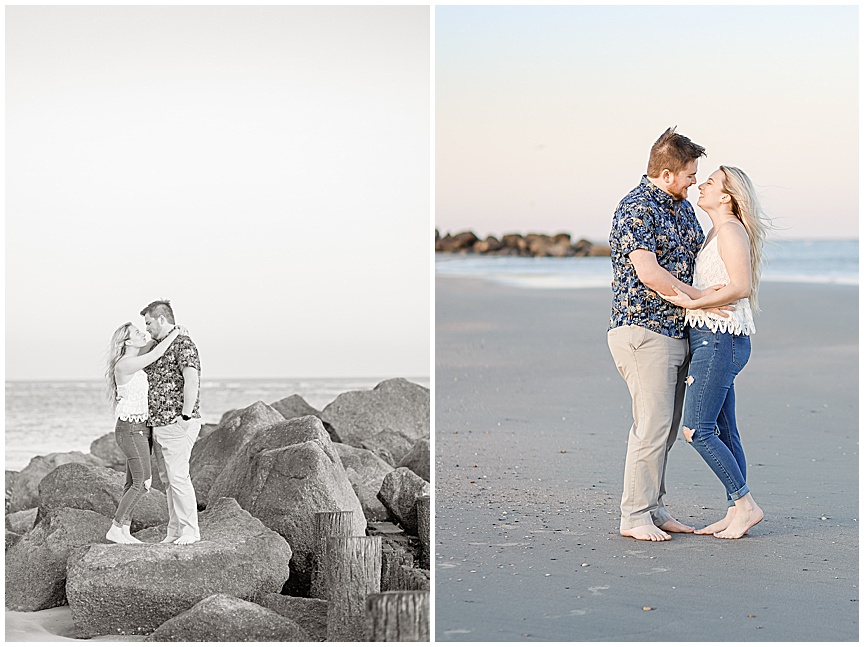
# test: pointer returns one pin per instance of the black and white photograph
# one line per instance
(218, 307)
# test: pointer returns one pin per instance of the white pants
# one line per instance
(172, 448)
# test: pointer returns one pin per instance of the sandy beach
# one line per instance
(531, 422)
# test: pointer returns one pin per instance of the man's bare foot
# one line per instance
(675, 526)
(648, 532)
(745, 518)
(115, 534)
(185, 539)
(168, 540)
(719, 526)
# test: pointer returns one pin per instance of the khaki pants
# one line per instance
(172, 448)
(655, 369)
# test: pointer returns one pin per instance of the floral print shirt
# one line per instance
(649, 218)
(165, 376)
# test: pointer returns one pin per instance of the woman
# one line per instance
(127, 389)
(727, 271)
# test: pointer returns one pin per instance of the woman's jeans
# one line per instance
(709, 405)
(135, 440)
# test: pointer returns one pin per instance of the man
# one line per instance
(655, 238)
(173, 402)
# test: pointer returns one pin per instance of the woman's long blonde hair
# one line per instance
(746, 207)
(115, 353)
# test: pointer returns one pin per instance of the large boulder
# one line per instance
(396, 404)
(224, 618)
(25, 491)
(390, 445)
(366, 471)
(36, 564)
(133, 589)
(399, 493)
(418, 459)
(286, 474)
(88, 487)
(213, 453)
(309, 613)
(294, 406)
(106, 448)
(21, 522)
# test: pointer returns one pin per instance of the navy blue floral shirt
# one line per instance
(649, 218)
(165, 378)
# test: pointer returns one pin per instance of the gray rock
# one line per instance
(36, 565)
(133, 589)
(224, 618)
(294, 406)
(88, 487)
(399, 493)
(366, 471)
(309, 613)
(213, 453)
(206, 430)
(106, 448)
(12, 538)
(395, 404)
(390, 445)
(418, 459)
(11, 476)
(25, 491)
(286, 474)
(21, 522)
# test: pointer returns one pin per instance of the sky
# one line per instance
(267, 169)
(545, 116)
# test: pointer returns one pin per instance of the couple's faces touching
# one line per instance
(711, 193)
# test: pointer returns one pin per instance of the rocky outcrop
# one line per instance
(224, 618)
(88, 487)
(36, 564)
(418, 460)
(25, 490)
(213, 453)
(283, 476)
(397, 405)
(133, 589)
(366, 471)
(294, 406)
(308, 613)
(106, 448)
(399, 492)
(21, 522)
(558, 245)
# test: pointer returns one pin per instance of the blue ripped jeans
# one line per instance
(135, 439)
(709, 405)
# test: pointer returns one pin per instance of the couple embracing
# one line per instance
(153, 381)
(682, 316)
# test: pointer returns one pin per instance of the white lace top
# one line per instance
(132, 404)
(710, 270)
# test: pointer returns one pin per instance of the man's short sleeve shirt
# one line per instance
(165, 377)
(649, 218)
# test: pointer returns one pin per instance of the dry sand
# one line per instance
(50, 625)
(531, 422)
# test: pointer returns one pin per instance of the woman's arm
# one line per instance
(734, 247)
(129, 365)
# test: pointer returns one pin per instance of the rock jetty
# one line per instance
(558, 245)
(271, 482)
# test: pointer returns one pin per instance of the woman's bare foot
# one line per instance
(648, 532)
(128, 535)
(675, 526)
(719, 526)
(115, 534)
(747, 515)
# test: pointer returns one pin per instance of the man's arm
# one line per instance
(190, 389)
(657, 278)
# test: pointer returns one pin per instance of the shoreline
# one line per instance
(531, 428)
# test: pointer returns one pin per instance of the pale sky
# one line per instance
(545, 116)
(265, 168)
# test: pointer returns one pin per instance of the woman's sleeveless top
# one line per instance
(710, 270)
(132, 404)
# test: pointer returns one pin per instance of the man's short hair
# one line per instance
(161, 308)
(672, 151)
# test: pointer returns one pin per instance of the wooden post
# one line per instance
(423, 530)
(398, 616)
(353, 571)
(327, 524)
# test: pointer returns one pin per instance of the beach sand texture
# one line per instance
(531, 425)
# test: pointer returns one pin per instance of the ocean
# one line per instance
(806, 261)
(45, 417)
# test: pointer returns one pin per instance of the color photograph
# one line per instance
(221, 215)
(646, 323)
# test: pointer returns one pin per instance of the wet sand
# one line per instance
(531, 422)
(50, 625)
